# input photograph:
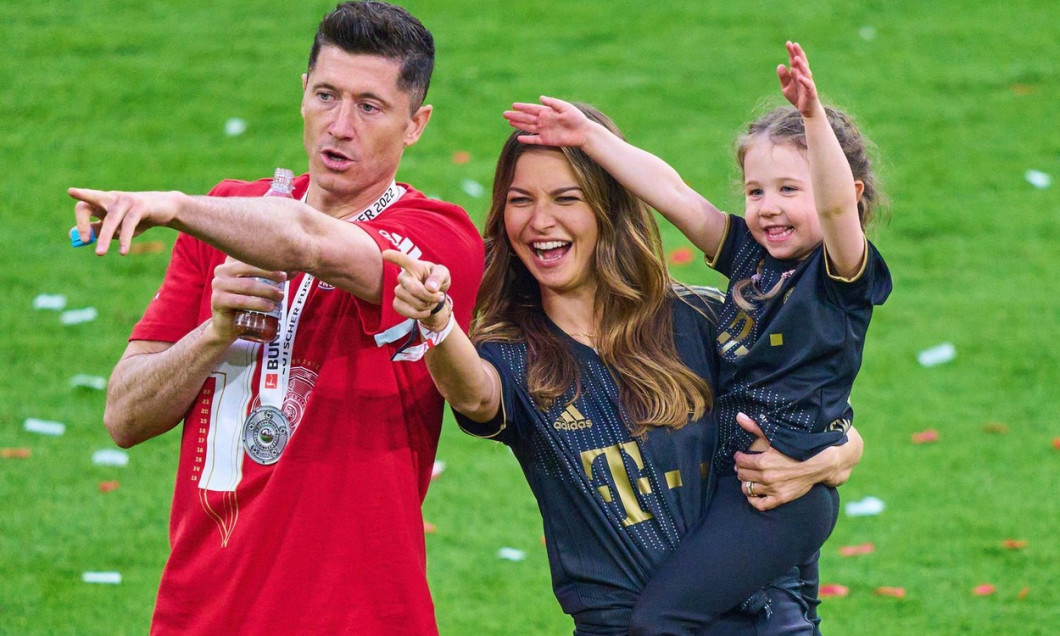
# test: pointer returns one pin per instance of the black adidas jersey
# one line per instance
(791, 362)
(613, 506)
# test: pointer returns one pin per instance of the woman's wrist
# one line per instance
(439, 316)
(432, 329)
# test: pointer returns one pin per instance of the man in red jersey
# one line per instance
(303, 462)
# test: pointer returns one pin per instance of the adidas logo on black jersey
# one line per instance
(572, 420)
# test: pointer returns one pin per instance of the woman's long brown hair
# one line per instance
(633, 299)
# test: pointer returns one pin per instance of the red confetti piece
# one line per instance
(832, 590)
(926, 437)
(997, 428)
(984, 590)
(854, 550)
(108, 486)
(1056, 443)
(1024, 593)
(429, 528)
(461, 157)
(896, 592)
(681, 256)
(1014, 544)
(542, 539)
(15, 453)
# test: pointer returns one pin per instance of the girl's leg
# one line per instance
(734, 551)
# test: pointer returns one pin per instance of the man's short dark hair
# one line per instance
(377, 28)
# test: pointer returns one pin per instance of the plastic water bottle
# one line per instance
(258, 326)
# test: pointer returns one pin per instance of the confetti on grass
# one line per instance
(111, 578)
(681, 256)
(472, 188)
(1014, 544)
(1038, 179)
(85, 381)
(866, 507)
(53, 302)
(235, 127)
(44, 427)
(833, 590)
(15, 453)
(939, 354)
(110, 457)
(855, 550)
(461, 157)
(894, 592)
(985, 589)
(78, 316)
(437, 469)
(926, 437)
(511, 554)
(995, 428)
(429, 528)
(108, 486)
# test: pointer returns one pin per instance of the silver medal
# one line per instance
(265, 433)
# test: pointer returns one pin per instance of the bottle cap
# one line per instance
(282, 180)
(75, 239)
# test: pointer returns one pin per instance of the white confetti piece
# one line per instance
(1038, 179)
(110, 578)
(939, 354)
(472, 188)
(437, 469)
(235, 127)
(867, 507)
(110, 457)
(54, 302)
(86, 381)
(78, 316)
(867, 33)
(511, 554)
(44, 427)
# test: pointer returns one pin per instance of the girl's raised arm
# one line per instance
(835, 191)
(555, 122)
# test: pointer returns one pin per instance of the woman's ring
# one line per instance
(750, 488)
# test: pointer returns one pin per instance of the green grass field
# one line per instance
(959, 97)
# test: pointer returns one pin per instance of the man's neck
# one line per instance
(344, 208)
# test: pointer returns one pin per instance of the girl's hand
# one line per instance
(797, 83)
(553, 122)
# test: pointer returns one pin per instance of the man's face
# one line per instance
(357, 124)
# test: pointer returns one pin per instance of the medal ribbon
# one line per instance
(276, 355)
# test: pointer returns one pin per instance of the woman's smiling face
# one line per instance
(549, 223)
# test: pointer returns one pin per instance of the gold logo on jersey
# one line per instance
(572, 420)
(735, 334)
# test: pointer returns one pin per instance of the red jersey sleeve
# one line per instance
(176, 308)
(433, 231)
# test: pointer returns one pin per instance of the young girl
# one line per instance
(595, 371)
(803, 281)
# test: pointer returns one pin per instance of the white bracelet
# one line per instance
(435, 338)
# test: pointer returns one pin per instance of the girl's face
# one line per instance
(550, 225)
(778, 197)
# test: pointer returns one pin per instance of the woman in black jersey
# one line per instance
(596, 369)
